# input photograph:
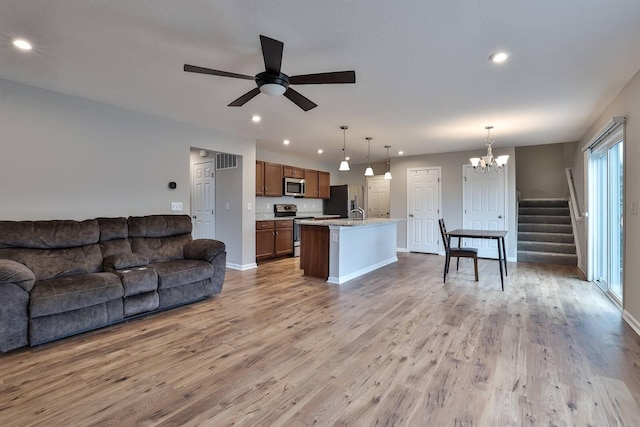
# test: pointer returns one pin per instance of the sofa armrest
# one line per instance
(123, 260)
(14, 272)
(203, 249)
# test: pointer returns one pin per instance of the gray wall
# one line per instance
(626, 104)
(540, 171)
(64, 157)
(451, 167)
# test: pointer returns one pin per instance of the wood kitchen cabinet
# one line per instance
(324, 184)
(293, 172)
(269, 179)
(317, 183)
(274, 238)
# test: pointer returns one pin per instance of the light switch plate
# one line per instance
(176, 206)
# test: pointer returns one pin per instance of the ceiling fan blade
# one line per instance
(245, 98)
(324, 78)
(300, 100)
(272, 54)
(202, 70)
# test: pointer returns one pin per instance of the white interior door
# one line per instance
(423, 210)
(484, 207)
(202, 200)
(377, 197)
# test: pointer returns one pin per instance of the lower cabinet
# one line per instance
(274, 238)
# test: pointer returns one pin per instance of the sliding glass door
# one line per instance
(606, 178)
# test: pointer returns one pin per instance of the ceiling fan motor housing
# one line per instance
(265, 78)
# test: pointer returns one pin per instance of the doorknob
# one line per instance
(411, 215)
(500, 216)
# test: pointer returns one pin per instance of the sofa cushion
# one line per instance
(158, 249)
(52, 263)
(68, 293)
(124, 260)
(159, 225)
(55, 234)
(181, 272)
(14, 272)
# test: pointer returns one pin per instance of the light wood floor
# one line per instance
(394, 347)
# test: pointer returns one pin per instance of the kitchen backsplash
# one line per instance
(306, 207)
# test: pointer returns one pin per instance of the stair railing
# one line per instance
(575, 215)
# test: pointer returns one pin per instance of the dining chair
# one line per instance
(456, 252)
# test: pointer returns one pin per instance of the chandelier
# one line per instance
(487, 162)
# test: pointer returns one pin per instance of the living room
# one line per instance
(100, 154)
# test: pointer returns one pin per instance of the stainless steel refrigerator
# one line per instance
(343, 199)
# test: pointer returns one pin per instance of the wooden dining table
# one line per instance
(497, 235)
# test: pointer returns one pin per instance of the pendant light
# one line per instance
(344, 164)
(369, 170)
(387, 174)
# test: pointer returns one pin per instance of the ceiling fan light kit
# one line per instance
(273, 82)
(487, 162)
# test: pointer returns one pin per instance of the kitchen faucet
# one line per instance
(357, 210)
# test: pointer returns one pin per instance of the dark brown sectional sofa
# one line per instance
(63, 277)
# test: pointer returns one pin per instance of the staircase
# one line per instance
(545, 235)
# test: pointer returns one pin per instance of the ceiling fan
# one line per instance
(273, 82)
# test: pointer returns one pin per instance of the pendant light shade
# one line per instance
(387, 174)
(344, 164)
(369, 170)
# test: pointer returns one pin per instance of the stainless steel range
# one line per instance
(291, 211)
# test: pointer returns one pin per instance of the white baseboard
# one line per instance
(339, 280)
(631, 321)
(241, 267)
(402, 250)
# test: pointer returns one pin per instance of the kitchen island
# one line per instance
(342, 249)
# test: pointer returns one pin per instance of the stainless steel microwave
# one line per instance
(294, 187)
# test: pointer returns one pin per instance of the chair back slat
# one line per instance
(443, 233)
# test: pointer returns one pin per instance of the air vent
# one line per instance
(226, 161)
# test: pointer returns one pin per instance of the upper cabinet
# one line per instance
(269, 179)
(293, 172)
(317, 183)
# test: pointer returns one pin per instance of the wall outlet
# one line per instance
(634, 208)
(176, 206)
(226, 206)
(249, 206)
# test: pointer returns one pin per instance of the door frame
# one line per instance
(409, 170)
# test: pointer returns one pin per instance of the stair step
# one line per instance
(545, 228)
(543, 211)
(545, 237)
(547, 258)
(553, 247)
(546, 203)
(544, 219)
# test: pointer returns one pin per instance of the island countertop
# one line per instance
(345, 222)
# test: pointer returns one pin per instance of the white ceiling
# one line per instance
(424, 81)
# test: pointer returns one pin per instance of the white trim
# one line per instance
(402, 250)
(340, 280)
(241, 267)
(631, 321)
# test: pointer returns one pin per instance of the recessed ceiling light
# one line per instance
(255, 118)
(22, 44)
(499, 57)
(320, 151)
(286, 142)
(400, 153)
